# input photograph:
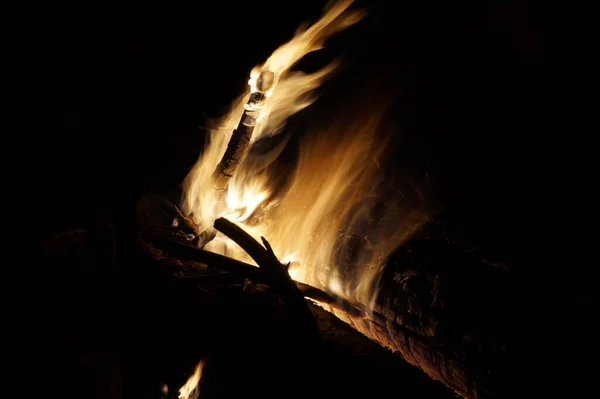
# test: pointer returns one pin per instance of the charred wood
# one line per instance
(452, 322)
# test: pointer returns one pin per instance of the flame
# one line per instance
(189, 390)
(321, 221)
(290, 93)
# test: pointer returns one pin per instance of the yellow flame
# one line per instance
(189, 390)
(331, 192)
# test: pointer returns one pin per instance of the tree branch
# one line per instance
(280, 279)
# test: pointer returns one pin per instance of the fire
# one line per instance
(330, 196)
(189, 390)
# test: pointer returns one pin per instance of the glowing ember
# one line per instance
(331, 190)
(190, 389)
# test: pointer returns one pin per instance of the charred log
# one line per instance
(452, 322)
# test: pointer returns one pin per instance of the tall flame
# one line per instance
(290, 93)
(323, 220)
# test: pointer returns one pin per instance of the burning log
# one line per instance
(280, 279)
(238, 145)
(437, 319)
(241, 136)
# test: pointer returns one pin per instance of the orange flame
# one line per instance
(326, 198)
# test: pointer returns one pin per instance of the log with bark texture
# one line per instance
(452, 322)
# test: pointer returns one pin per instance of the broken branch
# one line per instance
(280, 279)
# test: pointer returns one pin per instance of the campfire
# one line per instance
(303, 220)
(318, 230)
(310, 214)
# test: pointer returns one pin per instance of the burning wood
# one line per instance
(238, 144)
(241, 136)
(275, 94)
